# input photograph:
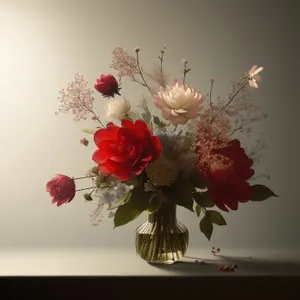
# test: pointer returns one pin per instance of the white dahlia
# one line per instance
(179, 103)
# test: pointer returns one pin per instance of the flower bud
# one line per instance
(99, 179)
(88, 197)
(94, 171)
(107, 85)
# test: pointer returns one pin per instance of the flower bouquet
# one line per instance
(186, 154)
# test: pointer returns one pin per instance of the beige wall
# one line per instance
(43, 43)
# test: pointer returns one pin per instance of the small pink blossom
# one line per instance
(84, 142)
(137, 49)
(125, 64)
(77, 98)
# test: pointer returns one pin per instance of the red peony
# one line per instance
(107, 86)
(228, 185)
(125, 151)
(62, 189)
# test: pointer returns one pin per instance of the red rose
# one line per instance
(62, 189)
(125, 151)
(229, 186)
(107, 86)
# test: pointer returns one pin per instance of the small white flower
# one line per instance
(253, 76)
(118, 108)
(184, 61)
(106, 196)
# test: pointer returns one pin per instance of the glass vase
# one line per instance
(162, 239)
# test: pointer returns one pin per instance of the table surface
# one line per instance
(125, 262)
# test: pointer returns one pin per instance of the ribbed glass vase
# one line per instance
(162, 239)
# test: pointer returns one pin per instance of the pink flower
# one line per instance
(61, 188)
(107, 86)
(179, 103)
(253, 76)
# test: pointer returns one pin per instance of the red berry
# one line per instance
(220, 268)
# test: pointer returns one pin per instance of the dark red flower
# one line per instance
(228, 185)
(107, 85)
(125, 151)
(61, 188)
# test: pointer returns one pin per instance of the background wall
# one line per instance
(43, 43)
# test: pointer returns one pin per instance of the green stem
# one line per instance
(141, 73)
(210, 92)
(92, 187)
(82, 177)
(185, 71)
(97, 119)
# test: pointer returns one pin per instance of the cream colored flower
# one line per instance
(179, 103)
(118, 108)
(253, 76)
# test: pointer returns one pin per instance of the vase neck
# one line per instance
(165, 215)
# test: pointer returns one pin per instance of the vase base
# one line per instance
(159, 263)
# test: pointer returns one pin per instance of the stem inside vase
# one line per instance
(162, 239)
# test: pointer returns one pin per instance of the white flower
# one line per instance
(253, 76)
(111, 198)
(118, 108)
(179, 103)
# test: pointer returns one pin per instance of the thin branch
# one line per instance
(141, 73)
(233, 96)
(210, 92)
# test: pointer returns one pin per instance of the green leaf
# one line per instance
(146, 115)
(159, 123)
(198, 210)
(89, 131)
(206, 226)
(216, 217)
(139, 198)
(181, 194)
(125, 214)
(261, 193)
(154, 205)
(203, 199)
